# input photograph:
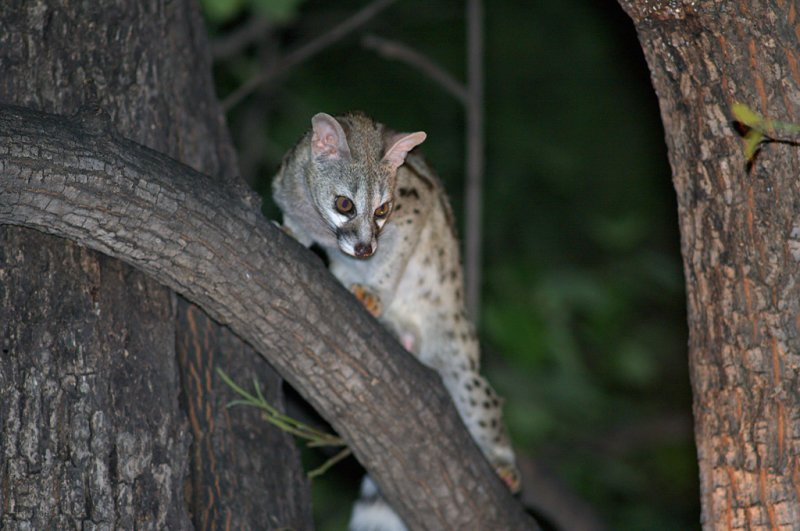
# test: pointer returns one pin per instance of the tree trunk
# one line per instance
(740, 238)
(94, 425)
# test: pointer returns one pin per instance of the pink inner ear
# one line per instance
(328, 138)
(401, 144)
(323, 145)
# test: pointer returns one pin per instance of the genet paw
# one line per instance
(370, 301)
(510, 476)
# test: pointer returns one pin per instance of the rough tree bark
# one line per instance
(741, 245)
(94, 432)
(209, 245)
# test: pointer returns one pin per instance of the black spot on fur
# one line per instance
(408, 192)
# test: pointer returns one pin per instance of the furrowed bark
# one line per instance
(740, 234)
(202, 240)
(96, 429)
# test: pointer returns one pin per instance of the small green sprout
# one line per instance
(758, 130)
(313, 436)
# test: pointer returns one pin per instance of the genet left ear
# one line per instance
(400, 144)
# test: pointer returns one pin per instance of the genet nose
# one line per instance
(363, 250)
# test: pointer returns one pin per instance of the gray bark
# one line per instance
(93, 431)
(206, 243)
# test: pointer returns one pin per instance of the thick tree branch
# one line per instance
(58, 176)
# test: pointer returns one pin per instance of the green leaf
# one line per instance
(752, 142)
(747, 116)
(756, 129)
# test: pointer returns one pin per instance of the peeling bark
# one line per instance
(206, 243)
(740, 238)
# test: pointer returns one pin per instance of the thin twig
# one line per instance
(473, 193)
(329, 463)
(256, 28)
(306, 51)
(403, 53)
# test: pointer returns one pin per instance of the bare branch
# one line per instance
(255, 29)
(400, 52)
(68, 178)
(473, 202)
(547, 494)
(305, 52)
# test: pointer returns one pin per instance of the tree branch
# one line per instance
(305, 52)
(61, 176)
(473, 193)
(398, 51)
(547, 494)
(254, 29)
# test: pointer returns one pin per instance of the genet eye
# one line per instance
(382, 210)
(344, 205)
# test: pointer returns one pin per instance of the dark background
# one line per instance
(583, 316)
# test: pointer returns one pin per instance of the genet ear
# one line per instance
(400, 144)
(328, 140)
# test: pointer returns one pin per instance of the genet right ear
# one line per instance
(328, 141)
